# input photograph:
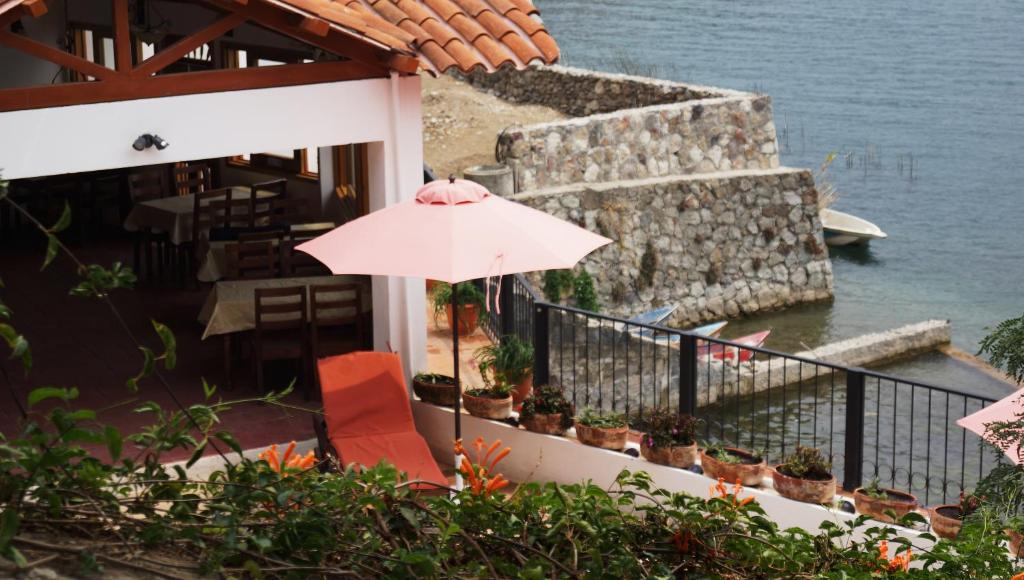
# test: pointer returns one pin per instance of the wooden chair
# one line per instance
(207, 218)
(290, 210)
(336, 321)
(282, 330)
(192, 178)
(147, 185)
(296, 263)
(262, 207)
(253, 259)
(310, 233)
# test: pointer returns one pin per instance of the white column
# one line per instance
(395, 174)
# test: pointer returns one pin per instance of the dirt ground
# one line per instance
(461, 124)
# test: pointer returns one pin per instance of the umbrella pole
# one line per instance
(458, 385)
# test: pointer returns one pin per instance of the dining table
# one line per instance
(173, 214)
(230, 307)
(215, 264)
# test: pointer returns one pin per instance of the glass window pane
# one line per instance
(312, 161)
(148, 50)
(109, 60)
(268, 62)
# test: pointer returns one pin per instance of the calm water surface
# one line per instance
(890, 85)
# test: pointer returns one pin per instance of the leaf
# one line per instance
(43, 393)
(52, 247)
(197, 454)
(208, 390)
(170, 355)
(64, 221)
(132, 384)
(9, 524)
(410, 516)
(115, 442)
(229, 440)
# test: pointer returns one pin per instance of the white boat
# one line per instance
(655, 316)
(843, 229)
(712, 330)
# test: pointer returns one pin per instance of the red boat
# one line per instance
(719, 351)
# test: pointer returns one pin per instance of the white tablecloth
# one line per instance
(174, 214)
(231, 305)
(215, 265)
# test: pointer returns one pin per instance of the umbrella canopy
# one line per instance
(453, 231)
(1009, 409)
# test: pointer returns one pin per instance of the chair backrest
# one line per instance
(336, 305)
(364, 394)
(252, 259)
(296, 263)
(192, 178)
(148, 184)
(262, 207)
(280, 309)
(289, 210)
(204, 212)
(232, 213)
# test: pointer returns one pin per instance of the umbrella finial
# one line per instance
(451, 178)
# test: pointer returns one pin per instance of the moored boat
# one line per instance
(843, 229)
(720, 351)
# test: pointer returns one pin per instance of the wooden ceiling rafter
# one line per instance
(46, 52)
(181, 48)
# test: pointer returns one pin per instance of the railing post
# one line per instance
(853, 475)
(507, 303)
(541, 359)
(688, 374)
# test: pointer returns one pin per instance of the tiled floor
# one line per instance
(439, 351)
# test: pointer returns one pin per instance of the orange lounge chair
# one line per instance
(367, 416)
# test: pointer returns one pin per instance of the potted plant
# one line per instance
(469, 299)
(732, 465)
(510, 362)
(670, 439)
(546, 411)
(494, 402)
(604, 431)
(876, 501)
(949, 518)
(434, 388)
(805, 476)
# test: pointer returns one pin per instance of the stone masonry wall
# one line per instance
(719, 246)
(629, 128)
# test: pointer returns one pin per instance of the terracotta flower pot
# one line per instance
(749, 473)
(899, 502)
(946, 522)
(488, 407)
(523, 389)
(604, 438)
(1015, 543)
(431, 284)
(805, 490)
(440, 393)
(681, 456)
(468, 318)
(549, 424)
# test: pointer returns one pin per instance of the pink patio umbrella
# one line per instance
(453, 231)
(1009, 409)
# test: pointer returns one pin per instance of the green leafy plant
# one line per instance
(721, 453)
(592, 418)
(874, 490)
(665, 428)
(434, 378)
(556, 284)
(466, 293)
(806, 463)
(495, 391)
(509, 361)
(584, 293)
(547, 400)
(1005, 347)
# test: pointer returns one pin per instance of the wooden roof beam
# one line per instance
(178, 50)
(46, 52)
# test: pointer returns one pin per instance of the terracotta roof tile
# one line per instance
(495, 53)
(443, 34)
(445, 8)
(441, 59)
(502, 6)
(547, 46)
(529, 25)
(496, 25)
(469, 29)
(526, 6)
(526, 51)
(473, 7)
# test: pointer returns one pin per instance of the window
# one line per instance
(94, 44)
(302, 162)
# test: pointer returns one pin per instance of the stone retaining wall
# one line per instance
(719, 246)
(636, 128)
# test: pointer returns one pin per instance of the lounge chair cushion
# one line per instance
(407, 451)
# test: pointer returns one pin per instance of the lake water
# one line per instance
(891, 86)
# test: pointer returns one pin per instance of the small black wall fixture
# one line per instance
(150, 140)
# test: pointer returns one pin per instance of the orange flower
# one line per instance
(477, 475)
(900, 562)
(720, 491)
(288, 462)
(1018, 576)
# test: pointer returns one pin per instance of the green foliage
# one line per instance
(1005, 347)
(584, 293)
(465, 293)
(434, 378)
(595, 419)
(807, 463)
(547, 400)
(874, 490)
(495, 391)
(556, 284)
(666, 428)
(724, 455)
(510, 361)
(648, 266)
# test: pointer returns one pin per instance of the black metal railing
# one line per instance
(871, 425)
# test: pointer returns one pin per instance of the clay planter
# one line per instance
(1015, 543)
(431, 284)
(748, 473)
(946, 521)
(468, 318)
(603, 438)
(523, 389)
(806, 490)
(899, 502)
(548, 424)
(487, 407)
(681, 456)
(440, 393)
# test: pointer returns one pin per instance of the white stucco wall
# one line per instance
(383, 112)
